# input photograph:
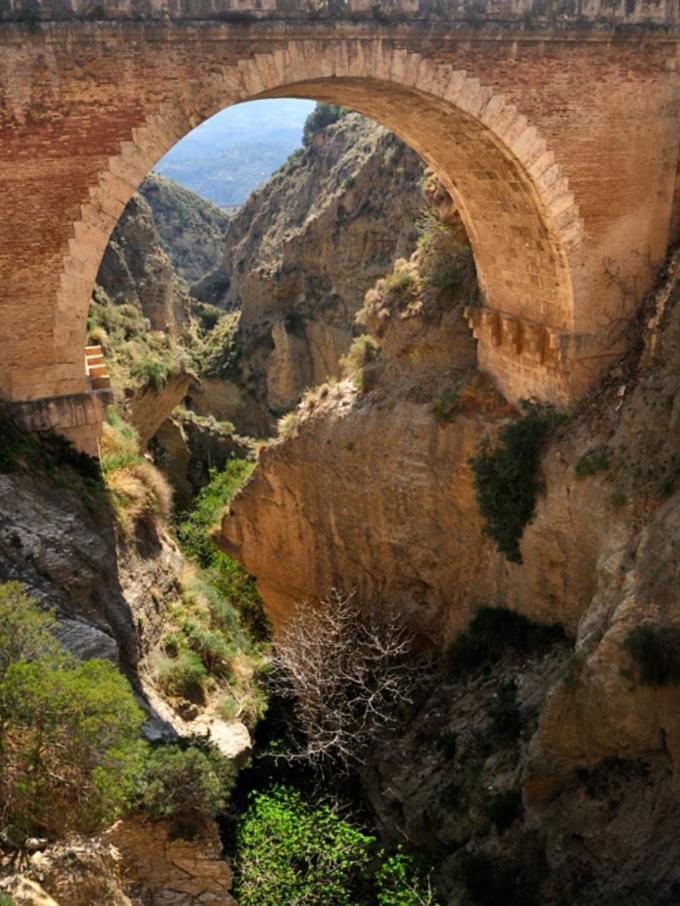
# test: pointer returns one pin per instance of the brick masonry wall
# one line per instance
(560, 148)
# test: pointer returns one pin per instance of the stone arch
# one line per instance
(521, 217)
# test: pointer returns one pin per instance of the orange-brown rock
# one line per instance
(162, 870)
(149, 407)
(368, 491)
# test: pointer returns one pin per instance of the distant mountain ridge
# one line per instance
(228, 156)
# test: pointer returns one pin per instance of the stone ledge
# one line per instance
(534, 343)
(77, 416)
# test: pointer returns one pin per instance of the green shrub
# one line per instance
(6, 900)
(592, 462)
(119, 447)
(506, 476)
(291, 852)
(228, 708)
(185, 786)
(656, 650)
(26, 632)
(211, 646)
(76, 721)
(184, 675)
(492, 632)
(400, 883)
(504, 808)
(400, 282)
(220, 351)
(193, 530)
(231, 592)
(151, 371)
(444, 409)
(361, 362)
(446, 278)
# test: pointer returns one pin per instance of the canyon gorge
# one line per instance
(347, 574)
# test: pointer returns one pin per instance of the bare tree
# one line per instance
(349, 669)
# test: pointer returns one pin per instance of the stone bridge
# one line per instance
(553, 123)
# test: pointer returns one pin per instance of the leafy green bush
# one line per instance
(400, 883)
(506, 476)
(76, 721)
(445, 278)
(6, 900)
(185, 786)
(233, 596)
(137, 490)
(592, 462)
(656, 650)
(119, 444)
(26, 632)
(152, 371)
(220, 351)
(212, 500)
(211, 645)
(184, 675)
(492, 632)
(292, 852)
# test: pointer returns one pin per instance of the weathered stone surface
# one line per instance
(190, 229)
(79, 871)
(369, 492)
(299, 257)
(148, 408)
(162, 870)
(86, 641)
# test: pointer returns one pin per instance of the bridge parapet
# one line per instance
(527, 15)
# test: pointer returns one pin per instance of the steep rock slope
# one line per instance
(299, 257)
(135, 270)
(191, 229)
(372, 489)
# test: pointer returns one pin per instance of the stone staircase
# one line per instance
(96, 368)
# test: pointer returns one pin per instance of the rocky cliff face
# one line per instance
(300, 255)
(190, 229)
(136, 270)
(373, 490)
(113, 588)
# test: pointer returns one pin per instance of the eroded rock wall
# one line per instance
(374, 490)
(302, 252)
